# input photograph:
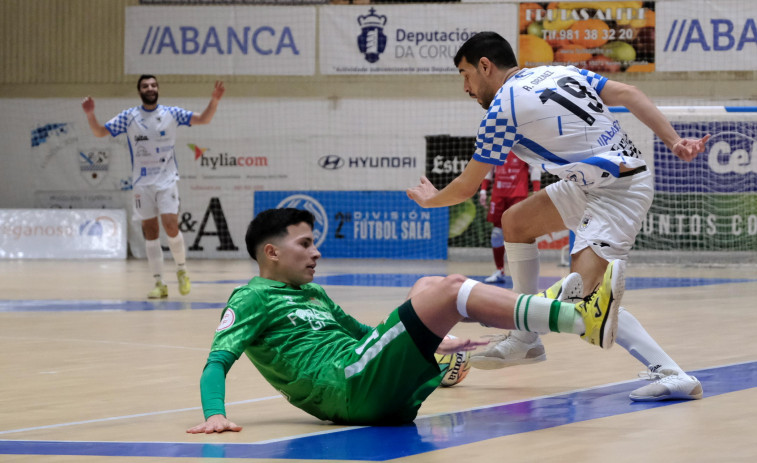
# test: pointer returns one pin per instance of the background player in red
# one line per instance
(509, 186)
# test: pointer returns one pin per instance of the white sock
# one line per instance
(542, 315)
(155, 258)
(176, 245)
(523, 260)
(635, 339)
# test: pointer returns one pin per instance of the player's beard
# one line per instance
(486, 97)
(149, 99)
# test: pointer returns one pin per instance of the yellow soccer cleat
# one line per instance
(184, 284)
(158, 292)
(569, 289)
(600, 311)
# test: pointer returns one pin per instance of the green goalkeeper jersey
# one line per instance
(298, 338)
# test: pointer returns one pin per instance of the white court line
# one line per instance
(139, 415)
(121, 343)
(346, 428)
(306, 434)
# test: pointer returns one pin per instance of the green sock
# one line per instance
(542, 315)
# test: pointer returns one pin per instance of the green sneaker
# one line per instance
(158, 292)
(184, 284)
(600, 311)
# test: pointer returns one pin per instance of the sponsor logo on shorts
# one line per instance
(585, 222)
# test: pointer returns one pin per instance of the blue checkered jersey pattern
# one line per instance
(151, 137)
(553, 118)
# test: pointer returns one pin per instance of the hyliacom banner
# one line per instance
(367, 224)
(404, 39)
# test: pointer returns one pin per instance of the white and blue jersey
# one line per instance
(151, 136)
(553, 118)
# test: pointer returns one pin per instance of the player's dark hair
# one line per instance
(273, 223)
(490, 45)
(145, 77)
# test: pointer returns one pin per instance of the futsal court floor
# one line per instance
(91, 371)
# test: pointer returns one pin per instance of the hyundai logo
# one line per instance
(331, 162)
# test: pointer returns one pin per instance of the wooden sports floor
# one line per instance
(90, 371)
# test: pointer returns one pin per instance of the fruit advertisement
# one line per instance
(599, 36)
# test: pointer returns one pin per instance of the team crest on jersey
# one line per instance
(94, 165)
(585, 222)
(577, 176)
(227, 320)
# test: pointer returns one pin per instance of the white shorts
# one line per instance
(606, 218)
(149, 201)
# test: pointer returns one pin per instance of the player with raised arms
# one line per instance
(151, 134)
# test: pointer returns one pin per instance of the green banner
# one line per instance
(714, 222)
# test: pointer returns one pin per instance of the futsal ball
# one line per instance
(455, 367)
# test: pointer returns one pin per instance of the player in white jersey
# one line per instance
(556, 118)
(151, 134)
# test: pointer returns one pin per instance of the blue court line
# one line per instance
(426, 434)
(406, 280)
(728, 109)
(741, 109)
(350, 279)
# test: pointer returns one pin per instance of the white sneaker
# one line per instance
(497, 277)
(509, 351)
(669, 385)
